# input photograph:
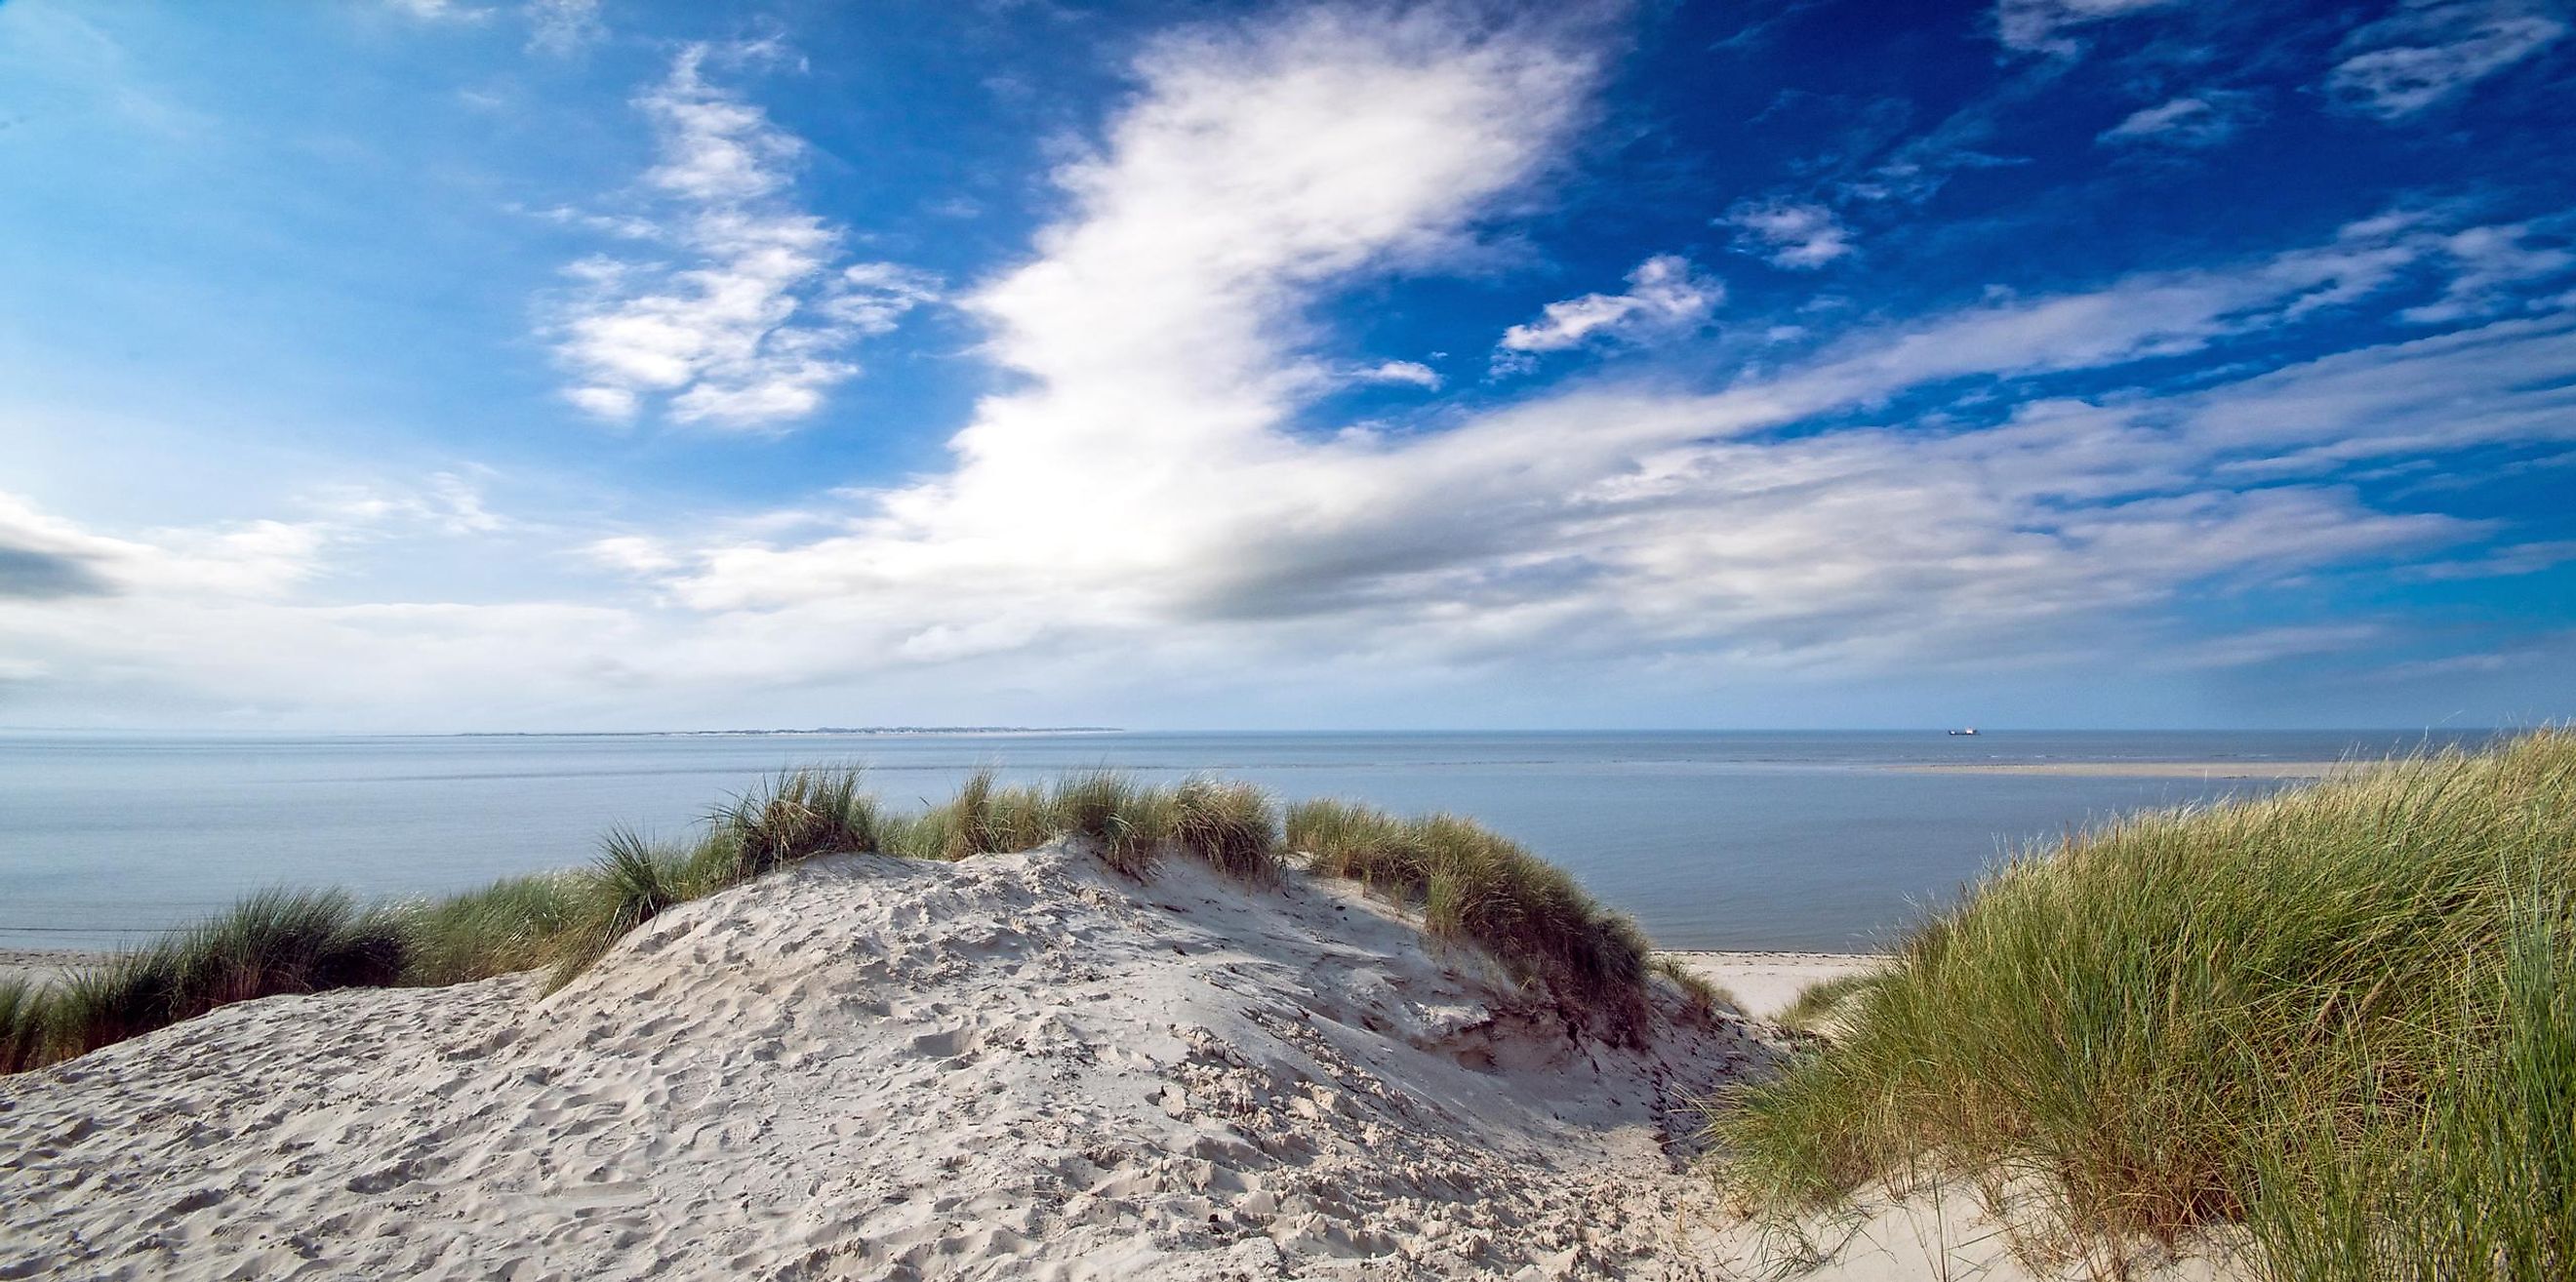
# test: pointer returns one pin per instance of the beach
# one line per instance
(41, 965)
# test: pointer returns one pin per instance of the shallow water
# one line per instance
(1736, 840)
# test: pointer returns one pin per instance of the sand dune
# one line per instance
(873, 1067)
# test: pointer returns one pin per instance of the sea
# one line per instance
(1824, 841)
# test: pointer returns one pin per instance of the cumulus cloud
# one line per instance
(1665, 297)
(2430, 51)
(753, 325)
(1788, 233)
(2204, 120)
(2042, 26)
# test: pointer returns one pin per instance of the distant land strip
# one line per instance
(702, 734)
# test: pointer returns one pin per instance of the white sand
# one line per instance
(874, 1068)
(41, 965)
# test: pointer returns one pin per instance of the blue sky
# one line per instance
(434, 365)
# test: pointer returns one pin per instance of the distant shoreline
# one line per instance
(2135, 769)
(758, 734)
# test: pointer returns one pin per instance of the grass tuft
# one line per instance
(633, 881)
(1125, 822)
(23, 1017)
(1819, 1006)
(511, 925)
(2341, 1019)
(1231, 827)
(1473, 884)
(796, 816)
(274, 942)
(1702, 997)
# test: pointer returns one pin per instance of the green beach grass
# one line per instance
(1471, 885)
(2332, 1030)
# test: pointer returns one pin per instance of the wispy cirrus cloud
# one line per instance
(2046, 26)
(1666, 297)
(2431, 51)
(1787, 233)
(2205, 119)
(752, 321)
(554, 26)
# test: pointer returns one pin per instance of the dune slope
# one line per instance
(868, 1066)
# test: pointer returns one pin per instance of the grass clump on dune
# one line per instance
(22, 1025)
(797, 815)
(1819, 1006)
(1473, 884)
(1702, 997)
(514, 924)
(1232, 827)
(275, 941)
(2337, 1024)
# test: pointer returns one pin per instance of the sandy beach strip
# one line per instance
(1768, 983)
(42, 964)
(2137, 769)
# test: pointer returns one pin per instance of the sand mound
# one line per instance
(867, 1067)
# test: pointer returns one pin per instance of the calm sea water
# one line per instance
(1735, 840)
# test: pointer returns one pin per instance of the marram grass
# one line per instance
(2334, 1027)
(1470, 884)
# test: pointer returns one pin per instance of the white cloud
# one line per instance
(2487, 264)
(554, 26)
(1665, 297)
(2270, 645)
(1608, 522)
(2040, 26)
(1790, 233)
(438, 10)
(2203, 121)
(563, 26)
(754, 326)
(1414, 373)
(2432, 50)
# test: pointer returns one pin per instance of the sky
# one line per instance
(525, 365)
